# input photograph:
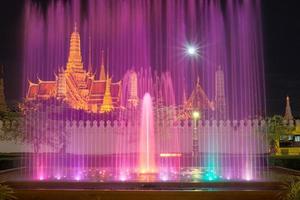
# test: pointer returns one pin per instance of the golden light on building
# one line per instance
(76, 86)
(133, 99)
(107, 105)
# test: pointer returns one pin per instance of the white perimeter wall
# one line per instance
(217, 137)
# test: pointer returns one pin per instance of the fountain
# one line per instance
(147, 160)
(149, 133)
(135, 135)
(131, 56)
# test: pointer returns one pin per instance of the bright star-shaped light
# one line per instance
(192, 50)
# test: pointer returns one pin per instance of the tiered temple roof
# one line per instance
(82, 90)
(198, 101)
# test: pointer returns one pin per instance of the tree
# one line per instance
(41, 126)
(276, 127)
(10, 121)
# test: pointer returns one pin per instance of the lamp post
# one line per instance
(192, 51)
(195, 152)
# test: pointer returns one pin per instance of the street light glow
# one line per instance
(196, 115)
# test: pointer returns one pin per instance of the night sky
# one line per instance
(281, 30)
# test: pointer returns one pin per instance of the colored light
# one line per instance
(123, 178)
(248, 177)
(196, 176)
(210, 175)
(170, 155)
(164, 177)
(77, 178)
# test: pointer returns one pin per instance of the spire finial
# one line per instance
(198, 80)
(288, 110)
(107, 65)
(102, 58)
(75, 26)
(90, 55)
(102, 75)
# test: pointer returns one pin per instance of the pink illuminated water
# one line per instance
(149, 38)
(153, 34)
(147, 160)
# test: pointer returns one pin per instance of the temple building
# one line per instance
(81, 89)
(77, 87)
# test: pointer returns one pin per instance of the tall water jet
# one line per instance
(147, 161)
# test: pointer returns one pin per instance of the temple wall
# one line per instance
(235, 137)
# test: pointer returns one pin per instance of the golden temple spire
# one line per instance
(107, 105)
(288, 110)
(102, 75)
(75, 60)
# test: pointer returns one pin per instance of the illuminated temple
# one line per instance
(81, 90)
(77, 87)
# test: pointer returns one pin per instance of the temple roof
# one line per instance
(43, 88)
(198, 99)
(98, 89)
(47, 89)
(32, 91)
